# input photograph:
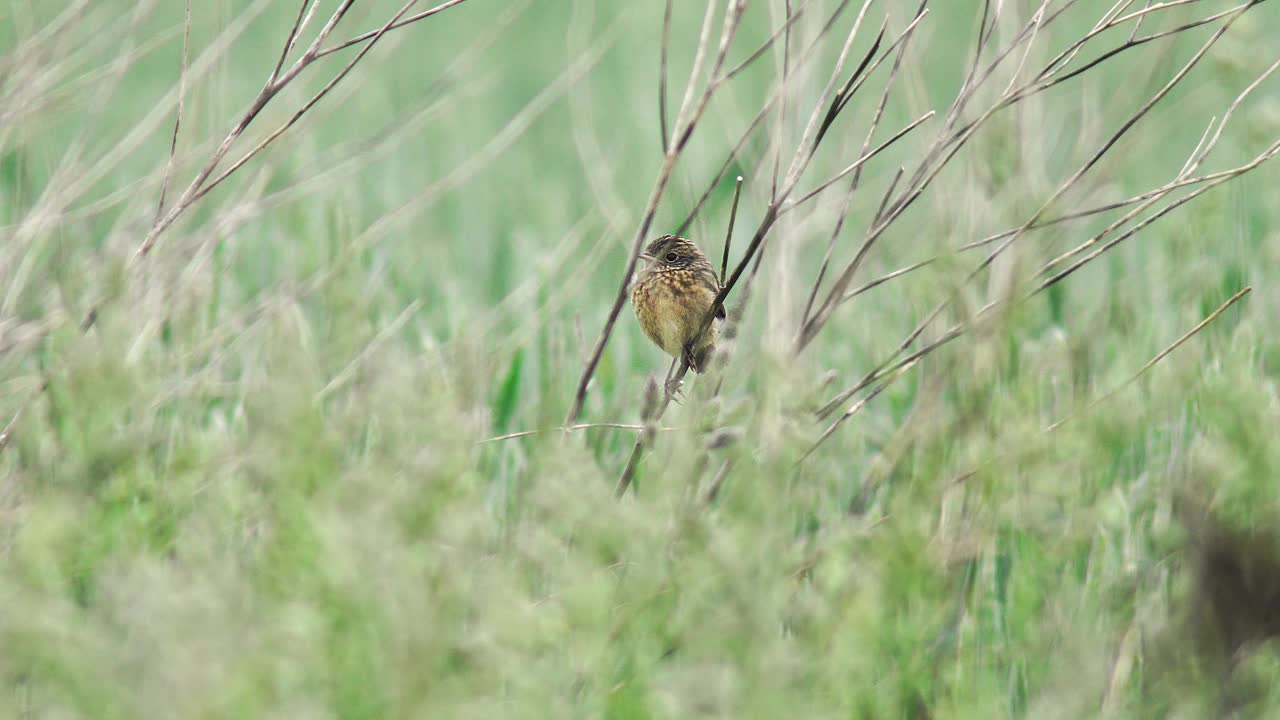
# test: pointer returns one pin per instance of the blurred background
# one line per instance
(284, 463)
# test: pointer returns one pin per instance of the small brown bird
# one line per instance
(672, 296)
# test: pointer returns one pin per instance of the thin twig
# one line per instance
(299, 23)
(856, 408)
(1194, 161)
(728, 234)
(774, 37)
(1159, 356)
(1138, 24)
(1116, 205)
(1044, 433)
(831, 246)
(857, 164)
(713, 490)
(662, 75)
(141, 131)
(350, 370)
(811, 139)
(887, 366)
(780, 125)
(947, 147)
(727, 164)
(1064, 58)
(888, 194)
(884, 279)
(859, 75)
(177, 119)
(238, 324)
(6, 435)
(396, 26)
(699, 58)
(570, 428)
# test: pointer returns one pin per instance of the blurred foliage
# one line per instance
(247, 491)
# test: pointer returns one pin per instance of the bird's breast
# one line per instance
(670, 307)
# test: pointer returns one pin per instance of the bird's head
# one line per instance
(671, 252)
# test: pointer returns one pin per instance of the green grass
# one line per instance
(257, 487)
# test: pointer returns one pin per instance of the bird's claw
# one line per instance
(675, 389)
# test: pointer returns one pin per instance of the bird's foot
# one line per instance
(690, 358)
(675, 389)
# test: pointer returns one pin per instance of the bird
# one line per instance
(672, 296)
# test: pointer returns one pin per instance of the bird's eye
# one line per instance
(672, 257)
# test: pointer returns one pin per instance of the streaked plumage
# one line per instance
(672, 295)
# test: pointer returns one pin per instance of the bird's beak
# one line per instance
(647, 258)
